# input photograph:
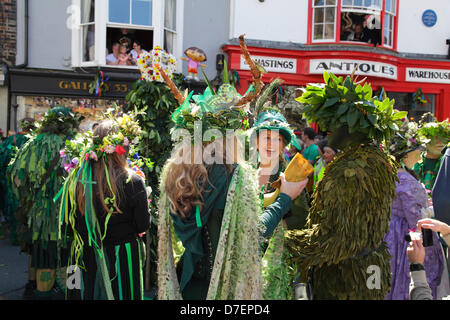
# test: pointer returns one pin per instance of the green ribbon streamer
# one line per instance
(141, 276)
(119, 280)
(59, 193)
(130, 269)
(197, 217)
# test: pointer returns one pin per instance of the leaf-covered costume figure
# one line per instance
(37, 176)
(8, 201)
(347, 222)
(341, 251)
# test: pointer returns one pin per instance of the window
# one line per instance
(115, 32)
(389, 16)
(357, 21)
(324, 20)
(170, 25)
(404, 102)
(132, 12)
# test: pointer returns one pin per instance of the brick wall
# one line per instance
(8, 26)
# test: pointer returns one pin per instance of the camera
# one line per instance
(427, 237)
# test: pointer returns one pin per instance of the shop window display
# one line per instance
(91, 109)
(404, 101)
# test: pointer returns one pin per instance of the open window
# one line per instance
(370, 22)
(116, 32)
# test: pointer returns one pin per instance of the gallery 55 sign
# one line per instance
(272, 64)
(365, 68)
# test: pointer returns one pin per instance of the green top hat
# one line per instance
(274, 120)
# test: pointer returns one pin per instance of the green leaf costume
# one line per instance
(37, 170)
(348, 219)
(8, 201)
(37, 176)
(343, 243)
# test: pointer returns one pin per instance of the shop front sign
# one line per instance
(345, 67)
(272, 64)
(427, 75)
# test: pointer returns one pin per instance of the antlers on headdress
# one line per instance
(256, 73)
(176, 93)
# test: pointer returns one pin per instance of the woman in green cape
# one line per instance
(212, 205)
(271, 134)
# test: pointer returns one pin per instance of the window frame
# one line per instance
(337, 40)
(102, 23)
(325, 7)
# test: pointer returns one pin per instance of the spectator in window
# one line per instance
(137, 50)
(113, 58)
(124, 58)
(358, 34)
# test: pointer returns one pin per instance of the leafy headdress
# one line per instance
(429, 129)
(59, 120)
(222, 110)
(340, 102)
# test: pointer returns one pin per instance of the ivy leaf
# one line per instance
(399, 115)
(330, 102)
(372, 118)
(352, 117)
(342, 109)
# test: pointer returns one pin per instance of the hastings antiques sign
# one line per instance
(427, 75)
(365, 68)
(272, 64)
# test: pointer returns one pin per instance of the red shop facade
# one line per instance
(404, 79)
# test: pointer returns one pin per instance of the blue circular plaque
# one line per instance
(429, 18)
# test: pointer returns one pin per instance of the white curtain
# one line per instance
(88, 35)
(170, 14)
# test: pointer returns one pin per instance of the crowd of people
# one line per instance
(265, 212)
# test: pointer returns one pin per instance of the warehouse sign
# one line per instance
(427, 75)
(342, 66)
(272, 64)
